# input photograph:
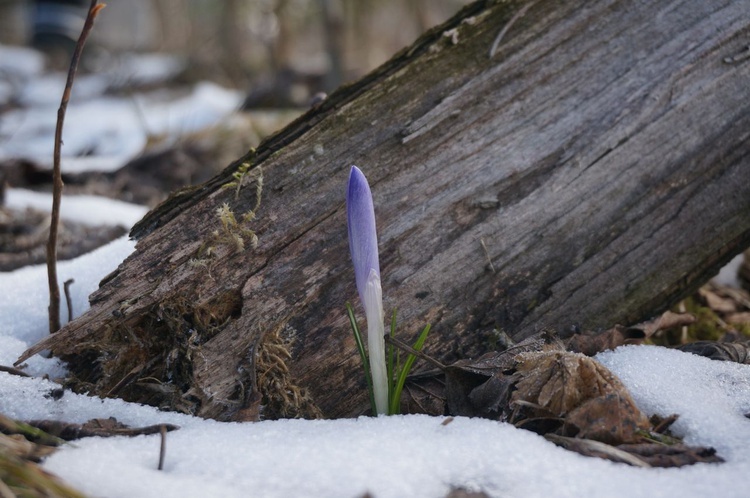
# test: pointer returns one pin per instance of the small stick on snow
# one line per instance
(163, 447)
(57, 185)
(13, 371)
(68, 300)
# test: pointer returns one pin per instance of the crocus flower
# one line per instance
(363, 244)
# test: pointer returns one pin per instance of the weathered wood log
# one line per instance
(543, 164)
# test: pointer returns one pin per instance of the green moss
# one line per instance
(707, 327)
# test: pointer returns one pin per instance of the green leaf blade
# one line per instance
(395, 401)
(362, 354)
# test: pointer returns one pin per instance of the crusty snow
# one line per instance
(400, 456)
(102, 132)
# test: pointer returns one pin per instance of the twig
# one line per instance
(68, 299)
(13, 371)
(610, 452)
(69, 432)
(163, 446)
(408, 349)
(57, 185)
(518, 15)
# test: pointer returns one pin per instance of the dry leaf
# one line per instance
(478, 388)
(647, 454)
(560, 394)
(716, 302)
(591, 343)
(738, 318)
(597, 449)
(610, 419)
(738, 352)
(423, 394)
(676, 455)
(578, 389)
(668, 320)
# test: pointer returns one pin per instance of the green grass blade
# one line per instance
(395, 407)
(363, 355)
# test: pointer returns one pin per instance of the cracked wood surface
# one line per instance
(593, 171)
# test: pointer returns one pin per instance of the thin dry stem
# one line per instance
(57, 186)
(162, 446)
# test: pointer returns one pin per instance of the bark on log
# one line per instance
(593, 170)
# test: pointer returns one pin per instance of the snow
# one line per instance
(145, 69)
(88, 209)
(102, 131)
(729, 273)
(21, 61)
(387, 456)
(399, 456)
(413, 455)
(711, 397)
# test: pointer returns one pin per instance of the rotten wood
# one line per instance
(593, 171)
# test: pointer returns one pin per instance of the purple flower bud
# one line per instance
(363, 244)
(363, 238)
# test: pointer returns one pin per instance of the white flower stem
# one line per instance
(375, 343)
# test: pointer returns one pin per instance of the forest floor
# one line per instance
(135, 134)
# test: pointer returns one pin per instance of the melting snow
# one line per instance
(415, 456)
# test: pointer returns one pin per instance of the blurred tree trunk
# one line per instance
(333, 27)
(544, 164)
(233, 40)
(280, 47)
(173, 20)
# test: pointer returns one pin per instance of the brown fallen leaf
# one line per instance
(738, 352)
(738, 318)
(591, 343)
(598, 449)
(715, 301)
(424, 393)
(668, 320)
(465, 392)
(579, 390)
(564, 396)
(611, 418)
(676, 455)
(646, 454)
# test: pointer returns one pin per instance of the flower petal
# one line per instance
(363, 239)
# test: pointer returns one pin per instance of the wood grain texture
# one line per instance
(592, 172)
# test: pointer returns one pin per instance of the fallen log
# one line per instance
(534, 165)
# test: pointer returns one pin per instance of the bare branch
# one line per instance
(57, 186)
